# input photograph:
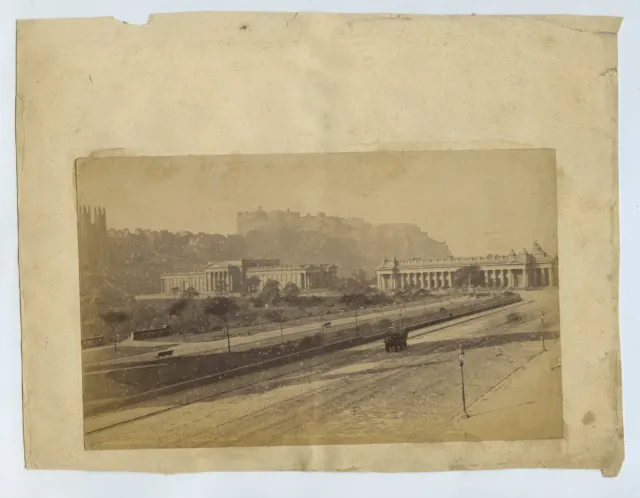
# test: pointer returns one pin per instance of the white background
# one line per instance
(17, 482)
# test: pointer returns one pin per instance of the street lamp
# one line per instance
(544, 347)
(322, 323)
(461, 362)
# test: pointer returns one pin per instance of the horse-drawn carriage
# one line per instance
(395, 339)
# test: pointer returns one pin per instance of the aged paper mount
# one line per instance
(239, 98)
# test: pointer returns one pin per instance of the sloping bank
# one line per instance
(113, 389)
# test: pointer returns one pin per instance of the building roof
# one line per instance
(255, 266)
(187, 271)
(536, 256)
(311, 266)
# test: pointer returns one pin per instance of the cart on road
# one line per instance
(395, 339)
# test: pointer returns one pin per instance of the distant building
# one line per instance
(519, 271)
(231, 276)
(92, 235)
(270, 220)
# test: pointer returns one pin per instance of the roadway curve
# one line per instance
(361, 396)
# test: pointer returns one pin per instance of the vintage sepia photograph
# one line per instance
(319, 299)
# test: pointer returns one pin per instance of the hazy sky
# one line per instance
(479, 202)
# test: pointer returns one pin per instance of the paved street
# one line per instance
(261, 338)
(365, 395)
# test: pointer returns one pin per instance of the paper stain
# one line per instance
(588, 418)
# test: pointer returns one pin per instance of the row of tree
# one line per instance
(357, 293)
(220, 307)
(223, 308)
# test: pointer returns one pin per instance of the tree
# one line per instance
(175, 291)
(250, 285)
(357, 283)
(403, 297)
(362, 278)
(114, 318)
(270, 292)
(421, 293)
(256, 302)
(222, 308)
(222, 288)
(277, 316)
(291, 292)
(177, 308)
(467, 275)
(190, 293)
(396, 276)
(354, 301)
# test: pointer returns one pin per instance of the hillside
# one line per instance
(137, 259)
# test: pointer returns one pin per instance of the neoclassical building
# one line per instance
(230, 276)
(518, 271)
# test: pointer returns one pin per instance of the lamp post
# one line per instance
(322, 323)
(461, 361)
(281, 333)
(544, 347)
(226, 326)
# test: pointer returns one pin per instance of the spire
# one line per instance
(537, 248)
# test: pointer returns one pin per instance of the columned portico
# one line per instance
(515, 270)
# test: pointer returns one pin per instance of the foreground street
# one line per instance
(365, 395)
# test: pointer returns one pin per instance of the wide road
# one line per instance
(368, 396)
(262, 338)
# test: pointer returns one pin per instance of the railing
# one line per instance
(93, 342)
(458, 312)
(151, 333)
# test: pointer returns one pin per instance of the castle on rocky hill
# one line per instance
(265, 220)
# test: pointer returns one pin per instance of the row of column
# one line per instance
(283, 279)
(222, 280)
(498, 277)
(304, 280)
(182, 283)
(426, 280)
(218, 280)
(543, 277)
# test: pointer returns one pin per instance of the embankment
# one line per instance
(128, 384)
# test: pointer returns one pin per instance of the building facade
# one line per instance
(92, 235)
(518, 271)
(235, 276)
(259, 219)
